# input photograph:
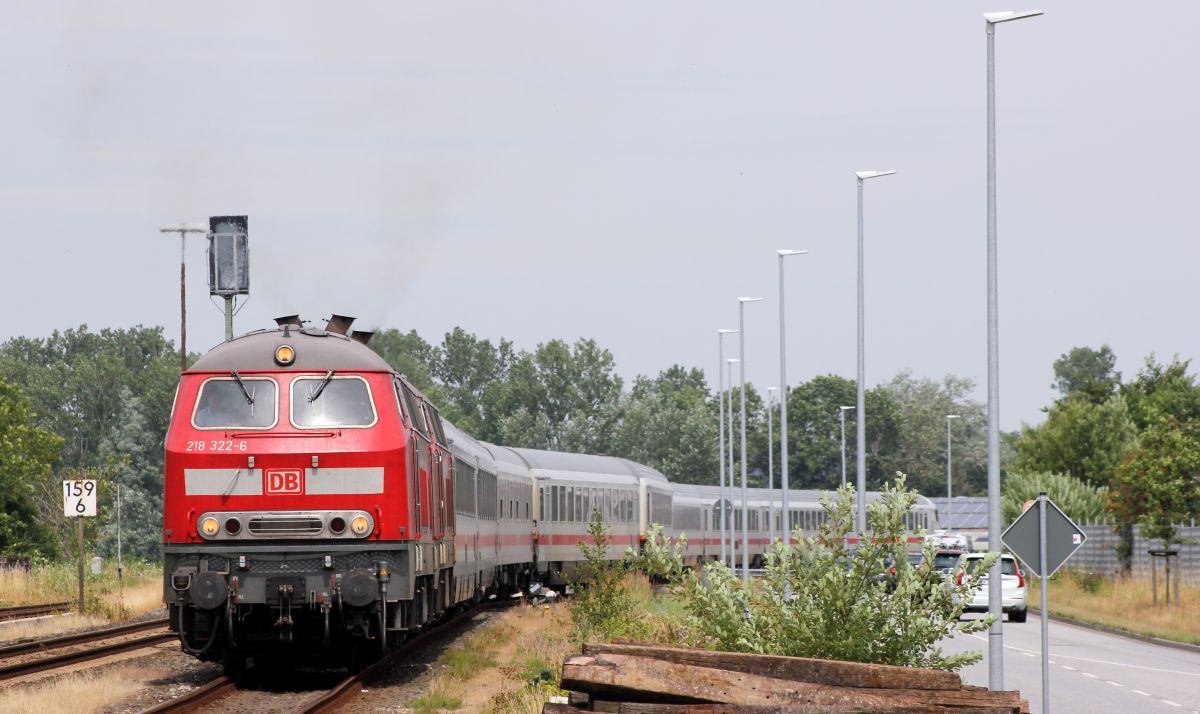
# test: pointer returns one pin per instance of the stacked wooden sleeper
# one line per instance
(645, 678)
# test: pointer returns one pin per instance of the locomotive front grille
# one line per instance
(290, 525)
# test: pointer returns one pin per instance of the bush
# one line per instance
(1080, 501)
(824, 599)
(602, 607)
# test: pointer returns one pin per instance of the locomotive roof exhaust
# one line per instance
(363, 336)
(293, 320)
(339, 324)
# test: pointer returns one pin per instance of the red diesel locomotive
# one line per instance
(309, 499)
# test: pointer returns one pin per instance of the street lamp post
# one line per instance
(860, 497)
(729, 402)
(783, 394)
(949, 490)
(721, 415)
(995, 591)
(183, 229)
(842, 414)
(770, 465)
(742, 396)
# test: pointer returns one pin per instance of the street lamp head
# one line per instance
(183, 228)
(863, 175)
(785, 253)
(749, 299)
(772, 389)
(845, 408)
(724, 331)
(953, 416)
(995, 18)
(731, 360)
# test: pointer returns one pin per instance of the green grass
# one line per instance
(466, 661)
(436, 700)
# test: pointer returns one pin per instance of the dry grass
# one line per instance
(140, 591)
(1124, 603)
(49, 626)
(137, 597)
(78, 693)
(514, 664)
(541, 640)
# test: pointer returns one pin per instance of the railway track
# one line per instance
(50, 608)
(341, 694)
(121, 634)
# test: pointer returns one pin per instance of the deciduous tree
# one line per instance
(1088, 372)
(27, 455)
(1158, 485)
(1079, 437)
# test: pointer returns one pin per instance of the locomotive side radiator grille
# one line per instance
(268, 525)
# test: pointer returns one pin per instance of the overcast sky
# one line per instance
(617, 170)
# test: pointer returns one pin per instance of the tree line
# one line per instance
(96, 404)
(1129, 448)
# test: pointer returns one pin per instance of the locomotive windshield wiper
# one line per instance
(324, 383)
(249, 396)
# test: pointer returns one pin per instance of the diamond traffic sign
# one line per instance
(1063, 538)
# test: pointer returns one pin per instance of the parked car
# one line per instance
(944, 561)
(1013, 585)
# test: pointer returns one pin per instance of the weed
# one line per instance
(468, 660)
(438, 699)
(602, 607)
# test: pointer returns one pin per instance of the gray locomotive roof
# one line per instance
(315, 349)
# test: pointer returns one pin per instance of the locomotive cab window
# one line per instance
(237, 402)
(413, 405)
(332, 401)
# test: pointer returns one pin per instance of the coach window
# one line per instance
(235, 402)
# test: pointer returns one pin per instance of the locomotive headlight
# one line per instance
(209, 527)
(360, 525)
(284, 355)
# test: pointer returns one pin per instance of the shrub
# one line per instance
(601, 606)
(1079, 500)
(824, 599)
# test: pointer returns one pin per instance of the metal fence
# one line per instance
(1099, 552)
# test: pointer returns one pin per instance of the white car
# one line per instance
(1013, 586)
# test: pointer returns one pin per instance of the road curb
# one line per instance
(1122, 633)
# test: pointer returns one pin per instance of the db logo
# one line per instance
(283, 481)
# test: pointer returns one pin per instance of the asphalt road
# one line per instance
(1089, 671)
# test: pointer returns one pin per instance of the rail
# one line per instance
(89, 636)
(54, 662)
(50, 608)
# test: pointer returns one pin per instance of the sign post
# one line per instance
(79, 501)
(1043, 538)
